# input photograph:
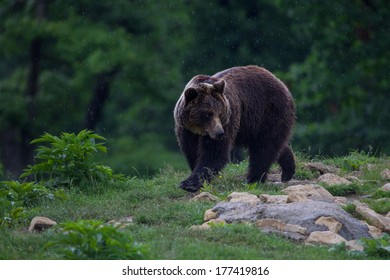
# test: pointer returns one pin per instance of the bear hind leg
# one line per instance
(260, 160)
(287, 163)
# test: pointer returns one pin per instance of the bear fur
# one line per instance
(243, 107)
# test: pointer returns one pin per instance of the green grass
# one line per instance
(163, 214)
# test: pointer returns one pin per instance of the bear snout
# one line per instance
(220, 135)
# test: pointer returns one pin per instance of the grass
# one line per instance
(163, 214)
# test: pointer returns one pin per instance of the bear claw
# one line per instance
(190, 186)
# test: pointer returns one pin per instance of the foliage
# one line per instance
(10, 212)
(27, 193)
(16, 198)
(90, 239)
(354, 161)
(68, 159)
(377, 247)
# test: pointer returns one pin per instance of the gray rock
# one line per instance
(299, 213)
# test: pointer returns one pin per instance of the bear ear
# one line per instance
(219, 86)
(190, 94)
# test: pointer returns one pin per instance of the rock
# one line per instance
(303, 214)
(311, 191)
(122, 222)
(341, 200)
(294, 197)
(208, 224)
(386, 174)
(200, 227)
(354, 245)
(280, 226)
(266, 198)
(320, 167)
(325, 238)
(40, 224)
(386, 187)
(373, 218)
(210, 214)
(243, 197)
(352, 178)
(332, 224)
(206, 197)
(333, 180)
(388, 215)
(374, 231)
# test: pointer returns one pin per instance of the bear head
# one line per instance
(206, 109)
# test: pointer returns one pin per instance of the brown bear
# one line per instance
(243, 107)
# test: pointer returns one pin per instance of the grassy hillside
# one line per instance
(162, 216)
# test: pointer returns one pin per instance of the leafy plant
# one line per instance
(16, 196)
(90, 239)
(68, 159)
(377, 247)
(11, 211)
(27, 193)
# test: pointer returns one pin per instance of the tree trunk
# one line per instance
(15, 145)
(100, 96)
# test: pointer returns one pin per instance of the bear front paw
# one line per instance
(191, 185)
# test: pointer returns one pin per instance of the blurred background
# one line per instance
(118, 67)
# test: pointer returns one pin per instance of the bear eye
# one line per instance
(209, 115)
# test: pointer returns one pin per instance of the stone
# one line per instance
(320, 168)
(40, 224)
(203, 226)
(386, 187)
(388, 215)
(354, 245)
(332, 224)
(341, 200)
(121, 222)
(374, 231)
(205, 197)
(311, 191)
(373, 218)
(333, 180)
(208, 224)
(294, 197)
(243, 197)
(352, 178)
(303, 214)
(210, 214)
(325, 238)
(386, 174)
(266, 198)
(280, 226)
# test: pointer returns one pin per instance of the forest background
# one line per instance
(118, 68)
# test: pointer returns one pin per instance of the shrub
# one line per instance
(90, 239)
(15, 196)
(377, 247)
(68, 159)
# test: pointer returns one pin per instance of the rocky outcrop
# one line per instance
(304, 214)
